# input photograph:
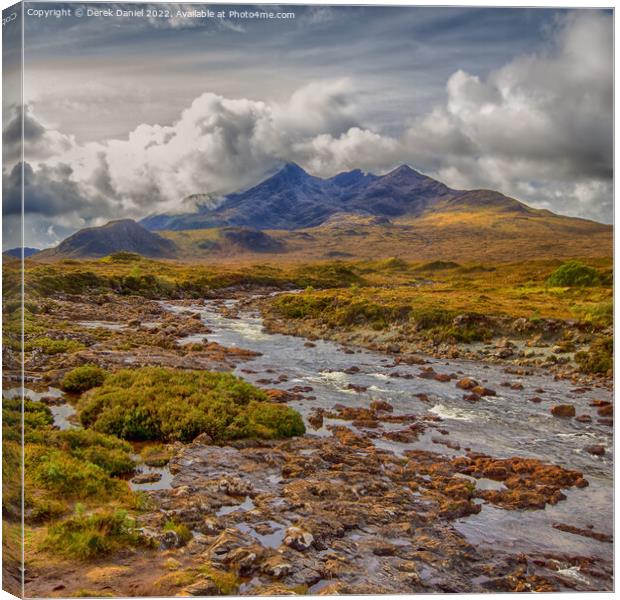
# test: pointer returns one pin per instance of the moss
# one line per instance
(168, 405)
(52, 346)
(88, 536)
(227, 582)
(82, 379)
(598, 359)
(574, 274)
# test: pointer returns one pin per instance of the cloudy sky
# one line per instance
(128, 116)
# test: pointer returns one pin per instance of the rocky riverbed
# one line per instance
(416, 474)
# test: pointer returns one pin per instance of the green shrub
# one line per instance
(574, 274)
(167, 405)
(598, 359)
(36, 416)
(89, 536)
(82, 379)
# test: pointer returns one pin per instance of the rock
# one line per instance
(606, 411)
(244, 560)
(536, 400)
(381, 405)
(467, 383)
(298, 539)
(280, 396)
(316, 419)
(203, 438)
(210, 526)
(443, 377)
(276, 566)
(170, 539)
(471, 397)
(483, 391)
(352, 370)
(146, 478)
(596, 450)
(601, 537)
(202, 587)
(357, 388)
(393, 349)
(563, 410)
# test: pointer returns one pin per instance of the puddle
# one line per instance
(268, 540)
(245, 506)
(112, 326)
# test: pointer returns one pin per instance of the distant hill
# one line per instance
(293, 199)
(116, 236)
(294, 216)
(17, 252)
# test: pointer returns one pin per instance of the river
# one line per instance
(505, 425)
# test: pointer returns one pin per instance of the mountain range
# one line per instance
(294, 199)
(295, 216)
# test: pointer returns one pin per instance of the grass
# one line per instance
(85, 537)
(598, 359)
(168, 405)
(182, 530)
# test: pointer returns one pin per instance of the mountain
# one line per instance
(116, 236)
(293, 199)
(17, 252)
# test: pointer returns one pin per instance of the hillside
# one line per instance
(115, 236)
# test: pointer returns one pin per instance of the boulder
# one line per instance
(298, 538)
(563, 410)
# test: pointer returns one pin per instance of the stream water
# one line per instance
(502, 426)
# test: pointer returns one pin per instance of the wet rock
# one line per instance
(146, 478)
(357, 388)
(276, 566)
(381, 405)
(563, 410)
(443, 377)
(281, 396)
(352, 370)
(229, 540)
(298, 538)
(467, 383)
(601, 537)
(472, 397)
(483, 391)
(584, 419)
(536, 400)
(315, 419)
(596, 450)
(606, 411)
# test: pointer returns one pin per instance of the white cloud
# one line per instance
(539, 129)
